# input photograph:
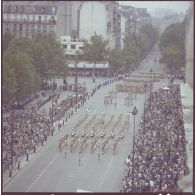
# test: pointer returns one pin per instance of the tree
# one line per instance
(22, 74)
(7, 37)
(8, 83)
(115, 59)
(146, 38)
(173, 56)
(27, 62)
(172, 46)
(22, 44)
(95, 50)
(48, 57)
(129, 51)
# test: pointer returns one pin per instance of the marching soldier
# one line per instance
(98, 153)
(65, 152)
(79, 159)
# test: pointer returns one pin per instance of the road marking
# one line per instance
(100, 185)
(42, 172)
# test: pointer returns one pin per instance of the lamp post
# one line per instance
(12, 129)
(76, 76)
(52, 105)
(155, 69)
(150, 87)
(134, 112)
(145, 86)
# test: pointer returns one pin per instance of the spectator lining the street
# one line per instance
(160, 154)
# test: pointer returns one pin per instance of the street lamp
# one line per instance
(155, 69)
(76, 75)
(134, 112)
(150, 87)
(12, 129)
(145, 86)
(52, 105)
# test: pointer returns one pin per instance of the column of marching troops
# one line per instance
(88, 128)
(96, 133)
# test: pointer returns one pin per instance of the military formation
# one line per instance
(101, 133)
(96, 134)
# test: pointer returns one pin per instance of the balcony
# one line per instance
(27, 21)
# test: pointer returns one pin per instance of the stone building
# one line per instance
(24, 18)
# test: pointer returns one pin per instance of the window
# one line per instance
(33, 18)
(8, 17)
(27, 17)
(20, 27)
(53, 10)
(22, 9)
(51, 28)
(15, 17)
(45, 18)
(15, 28)
(27, 28)
(73, 47)
(38, 28)
(65, 46)
(43, 9)
(39, 18)
(44, 28)
(33, 28)
(80, 47)
(7, 27)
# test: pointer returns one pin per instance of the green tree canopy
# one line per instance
(8, 82)
(129, 51)
(95, 50)
(7, 37)
(115, 58)
(27, 62)
(172, 46)
(19, 72)
(48, 57)
(137, 45)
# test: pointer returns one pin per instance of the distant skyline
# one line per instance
(177, 6)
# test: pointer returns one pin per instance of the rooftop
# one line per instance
(89, 65)
(27, 7)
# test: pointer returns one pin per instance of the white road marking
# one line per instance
(42, 172)
(100, 185)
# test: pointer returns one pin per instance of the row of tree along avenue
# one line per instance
(136, 47)
(172, 46)
(27, 63)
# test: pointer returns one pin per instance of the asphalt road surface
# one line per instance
(51, 171)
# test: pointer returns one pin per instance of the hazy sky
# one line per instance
(152, 5)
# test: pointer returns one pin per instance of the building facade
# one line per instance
(28, 19)
(77, 19)
(71, 46)
(93, 17)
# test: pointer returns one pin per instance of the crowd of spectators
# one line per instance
(32, 127)
(160, 157)
(25, 129)
(61, 109)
